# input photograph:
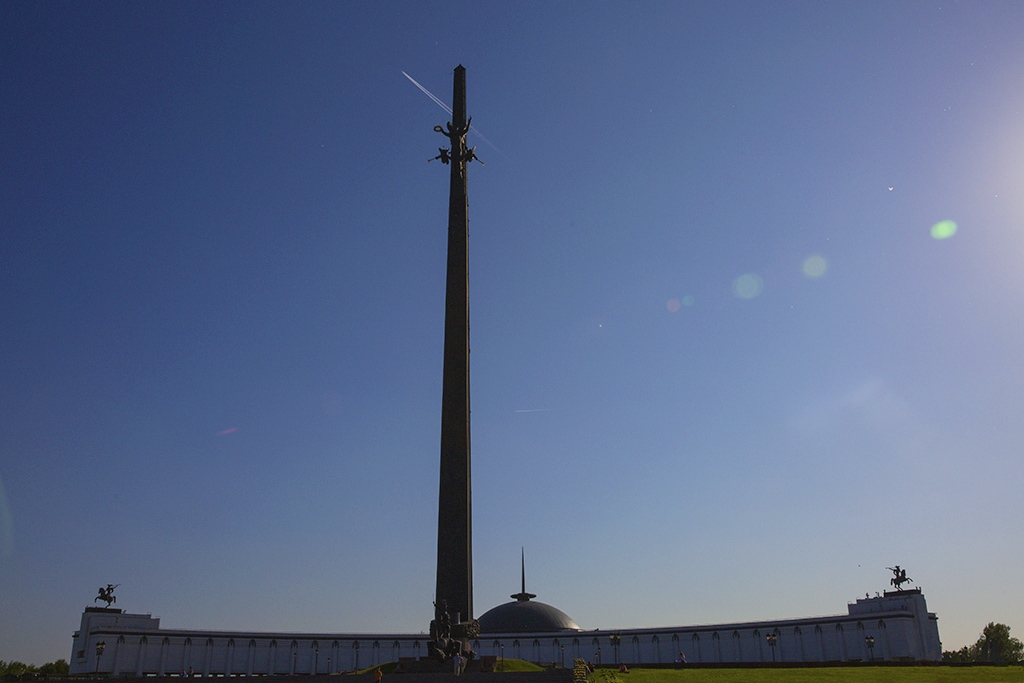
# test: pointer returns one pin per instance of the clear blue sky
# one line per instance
(722, 369)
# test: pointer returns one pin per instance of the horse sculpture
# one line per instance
(899, 577)
(107, 594)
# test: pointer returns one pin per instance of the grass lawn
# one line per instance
(839, 674)
(515, 665)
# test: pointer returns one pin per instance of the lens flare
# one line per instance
(943, 230)
(815, 266)
(673, 305)
(747, 286)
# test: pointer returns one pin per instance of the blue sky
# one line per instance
(721, 368)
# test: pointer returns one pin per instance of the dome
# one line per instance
(525, 616)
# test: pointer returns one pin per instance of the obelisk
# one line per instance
(454, 513)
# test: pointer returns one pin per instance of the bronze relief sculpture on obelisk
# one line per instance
(453, 622)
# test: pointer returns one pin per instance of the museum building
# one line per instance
(894, 627)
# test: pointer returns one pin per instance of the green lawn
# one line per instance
(839, 674)
(515, 665)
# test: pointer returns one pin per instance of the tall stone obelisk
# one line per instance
(454, 592)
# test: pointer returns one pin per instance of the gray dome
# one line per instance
(526, 616)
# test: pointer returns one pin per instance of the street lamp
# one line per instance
(316, 658)
(561, 656)
(100, 646)
(502, 668)
(870, 642)
(599, 656)
(616, 639)
(772, 639)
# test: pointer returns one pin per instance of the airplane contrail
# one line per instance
(448, 109)
(429, 94)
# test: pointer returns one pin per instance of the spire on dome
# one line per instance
(522, 595)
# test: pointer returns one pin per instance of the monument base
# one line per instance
(429, 665)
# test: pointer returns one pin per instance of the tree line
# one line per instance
(14, 670)
(995, 646)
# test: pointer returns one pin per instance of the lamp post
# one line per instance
(561, 656)
(599, 656)
(100, 646)
(316, 659)
(870, 642)
(615, 639)
(502, 667)
(772, 639)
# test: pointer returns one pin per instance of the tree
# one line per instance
(996, 645)
(16, 671)
(60, 667)
(13, 668)
(962, 656)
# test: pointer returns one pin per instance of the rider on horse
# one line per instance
(107, 594)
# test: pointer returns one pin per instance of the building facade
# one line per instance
(894, 627)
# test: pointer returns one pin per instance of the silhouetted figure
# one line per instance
(899, 577)
(107, 594)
